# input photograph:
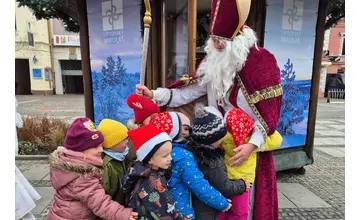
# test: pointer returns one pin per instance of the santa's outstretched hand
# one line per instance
(243, 152)
(144, 91)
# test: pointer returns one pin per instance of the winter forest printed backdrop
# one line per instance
(115, 52)
(290, 36)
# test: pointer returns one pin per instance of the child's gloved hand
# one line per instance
(229, 207)
(133, 216)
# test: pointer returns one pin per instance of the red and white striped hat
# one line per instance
(169, 122)
(147, 140)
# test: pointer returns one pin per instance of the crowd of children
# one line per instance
(181, 170)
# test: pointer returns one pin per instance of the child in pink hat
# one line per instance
(185, 124)
(75, 174)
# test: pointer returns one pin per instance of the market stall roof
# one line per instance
(65, 10)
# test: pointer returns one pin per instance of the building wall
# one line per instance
(336, 39)
(41, 48)
(333, 42)
(337, 34)
(62, 53)
(326, 40)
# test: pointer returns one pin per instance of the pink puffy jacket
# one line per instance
(79, 194)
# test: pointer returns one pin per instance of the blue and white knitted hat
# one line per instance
(207, 128)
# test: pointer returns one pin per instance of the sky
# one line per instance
(130, 49)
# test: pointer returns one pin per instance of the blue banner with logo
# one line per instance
(115, 52)
(290, 36)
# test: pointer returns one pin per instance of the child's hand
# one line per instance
(133, 216)
(229, 207)
(248, 186)
(189, 216)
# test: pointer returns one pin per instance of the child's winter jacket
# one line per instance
(247, 169)
(113, 175)
(79, 194)
(211, 162)
(187, 179)
(150, 197)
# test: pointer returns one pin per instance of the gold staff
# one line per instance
(147, 23)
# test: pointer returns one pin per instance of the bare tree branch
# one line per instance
(20, 43)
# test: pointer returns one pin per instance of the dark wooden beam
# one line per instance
(85, 58)
(192, 16)
(256, 19)
(319, 41)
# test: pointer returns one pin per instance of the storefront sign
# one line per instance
(72, 56)
(290, 36)
(72, 53)
(37, 73)
(66, 40)
(48, 74)
(113, 21)
(115, 50)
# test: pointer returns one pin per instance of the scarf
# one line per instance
(120, 156)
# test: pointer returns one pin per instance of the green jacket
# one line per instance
(113, 174)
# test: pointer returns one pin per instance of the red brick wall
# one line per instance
(335, 47)
(335, 38)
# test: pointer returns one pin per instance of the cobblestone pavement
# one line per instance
(325, 178)
(66, 107)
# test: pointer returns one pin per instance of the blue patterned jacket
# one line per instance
(186, 178)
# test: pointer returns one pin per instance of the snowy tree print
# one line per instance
(111, 87)
(295, 103)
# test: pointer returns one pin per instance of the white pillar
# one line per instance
(323, 78)
(58, 78)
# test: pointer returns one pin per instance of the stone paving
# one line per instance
(318, 194)
(324, 179)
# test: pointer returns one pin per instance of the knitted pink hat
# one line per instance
(184, 119)
(82, 135)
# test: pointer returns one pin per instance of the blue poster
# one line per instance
(115, 52)
(37, 73)
(290, 36)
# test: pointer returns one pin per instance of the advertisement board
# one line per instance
(115, 43)
(290, 35)
(66, 40)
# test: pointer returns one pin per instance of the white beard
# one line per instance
(220, 67)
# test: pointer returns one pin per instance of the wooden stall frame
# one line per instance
(315, 82)
(163, 43)
(85, 58)
(192, 16)
(306, 151)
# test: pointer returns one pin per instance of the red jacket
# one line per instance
(79, 194)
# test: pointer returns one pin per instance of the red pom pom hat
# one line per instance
(142, 107)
